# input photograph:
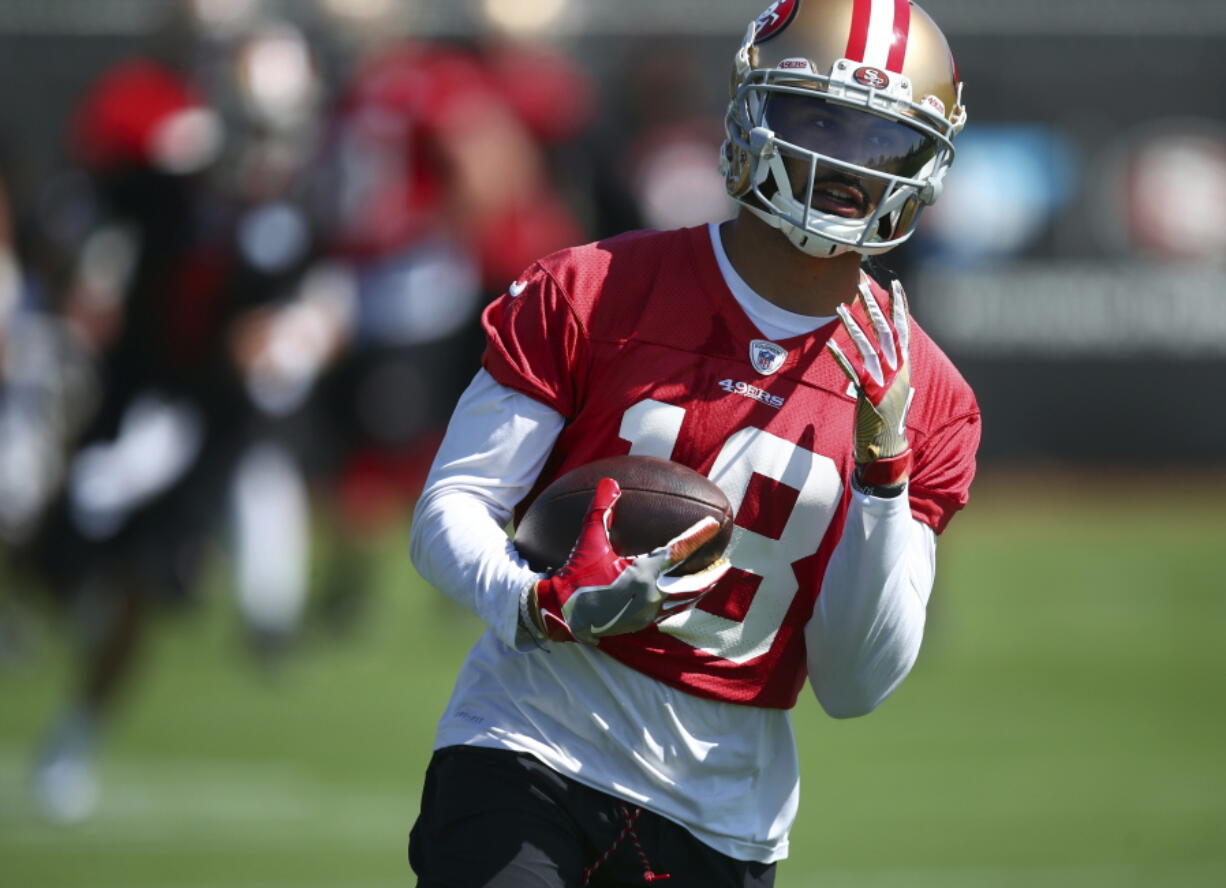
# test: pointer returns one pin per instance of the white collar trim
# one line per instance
(773, 322)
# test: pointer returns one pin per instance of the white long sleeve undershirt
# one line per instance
(868, 622)
(494, 448)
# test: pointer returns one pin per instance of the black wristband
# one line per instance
(889, 492)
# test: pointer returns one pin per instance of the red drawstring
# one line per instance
(628, 820)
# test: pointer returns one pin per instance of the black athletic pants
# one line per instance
(492, 818)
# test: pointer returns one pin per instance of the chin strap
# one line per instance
(808, 243)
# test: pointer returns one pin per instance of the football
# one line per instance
(659, 500)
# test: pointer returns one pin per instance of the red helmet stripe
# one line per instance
(857, 40)
(879, 32)
(902, 30)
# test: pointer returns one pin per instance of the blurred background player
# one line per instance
(279, 290)
(44, 381)
(193, 295)
(447, 172)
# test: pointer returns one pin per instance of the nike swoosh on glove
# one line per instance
(598, 592)
(880, 370)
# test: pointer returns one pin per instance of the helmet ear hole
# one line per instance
(736, 167)
(904, 218)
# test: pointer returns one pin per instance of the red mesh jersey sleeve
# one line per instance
(535, 343)
(944, 469)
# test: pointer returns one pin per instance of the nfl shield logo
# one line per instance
(766, 357)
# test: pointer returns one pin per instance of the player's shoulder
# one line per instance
(616, 267)
(946, 393)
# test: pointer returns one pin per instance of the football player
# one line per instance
(598, 734)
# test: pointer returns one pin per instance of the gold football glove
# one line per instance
(880, 370)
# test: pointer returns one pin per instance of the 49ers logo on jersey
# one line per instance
(777, 17)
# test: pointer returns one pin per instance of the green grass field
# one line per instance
(1065, 726)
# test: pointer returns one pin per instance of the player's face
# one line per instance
(850, 135)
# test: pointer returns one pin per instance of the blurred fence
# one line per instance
(1074, 268)
(957, 17)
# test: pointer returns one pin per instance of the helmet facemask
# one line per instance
(834, 163)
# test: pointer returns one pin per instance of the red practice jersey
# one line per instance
(639, 344)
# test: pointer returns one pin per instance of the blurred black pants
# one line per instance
(493, 818)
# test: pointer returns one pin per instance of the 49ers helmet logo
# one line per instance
(874, 78)
(777, 17)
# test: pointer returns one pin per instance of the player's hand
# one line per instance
(880, 370)
(598, 592)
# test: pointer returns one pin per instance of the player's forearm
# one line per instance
(868, 622)
(496, 442)
(459, 546)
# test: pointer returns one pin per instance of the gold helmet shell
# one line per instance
(883, 57)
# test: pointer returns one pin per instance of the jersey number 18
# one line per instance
(653, 429)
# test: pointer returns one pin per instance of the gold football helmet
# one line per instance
(841, 123)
